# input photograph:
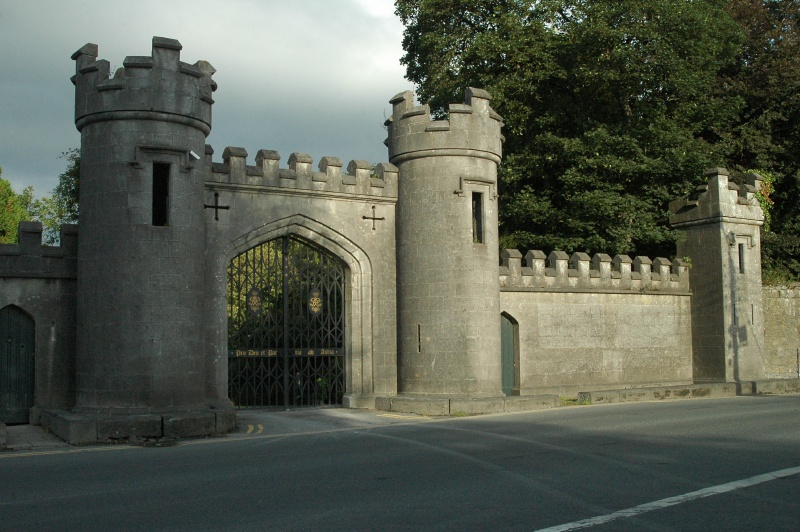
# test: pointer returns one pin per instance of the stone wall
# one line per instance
(781, 332)
(600, 324)
(41, 281)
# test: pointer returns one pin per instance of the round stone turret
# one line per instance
(142, 231)
(447, 246)
(159, 87)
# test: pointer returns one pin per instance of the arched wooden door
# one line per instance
(286, 325)
(17, 338)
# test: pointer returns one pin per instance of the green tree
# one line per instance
(61, 207)
(612, 107)
(12, 210)
(767, 75)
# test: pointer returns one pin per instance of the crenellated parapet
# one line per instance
(559, 272)
(472, 129)
(359, 178)
(30, 259)
(719, 200)
(157, 87)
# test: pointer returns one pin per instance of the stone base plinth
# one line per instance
(660, 393)
(454, 406)
(777, 386)
(358, 401)
(82, 427)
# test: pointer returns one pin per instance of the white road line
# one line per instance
(672, 501)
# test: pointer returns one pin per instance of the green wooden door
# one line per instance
(508, 348)
(16, 365)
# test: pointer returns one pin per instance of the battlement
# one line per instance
(559, 272)
(359, 178)
(29, 258)
(159, 87)
(473, 129)
(719, 200)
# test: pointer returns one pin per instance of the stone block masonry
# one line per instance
(782, 332)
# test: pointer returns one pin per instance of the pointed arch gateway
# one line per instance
(286, 325)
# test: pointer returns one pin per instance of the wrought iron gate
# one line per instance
(285, 325)
(16, 365)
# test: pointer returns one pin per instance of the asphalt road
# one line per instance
(728, 464)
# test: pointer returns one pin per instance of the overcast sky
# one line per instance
(309, 76)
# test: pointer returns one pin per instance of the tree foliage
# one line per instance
(61, 207)
(768, 135)
(614, 107)
(13, 209)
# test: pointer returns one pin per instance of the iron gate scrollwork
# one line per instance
(286, 325)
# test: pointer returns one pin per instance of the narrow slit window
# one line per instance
(741, 258)
(477, 218)
(160, 194)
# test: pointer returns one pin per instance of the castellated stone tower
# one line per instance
(721, 226)
(142, 231)
(447, 247)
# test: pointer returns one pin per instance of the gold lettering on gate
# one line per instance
(255, 352)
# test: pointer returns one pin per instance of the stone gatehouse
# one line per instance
(196, 285)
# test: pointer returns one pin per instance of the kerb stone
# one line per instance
(383, 403)
(531, 402)
(189, 424)
(225, 421)
(135, 426)
(635, 394)
(72, 428)
(778, 386)
(600, 397)
(476, 406)
(423, 405)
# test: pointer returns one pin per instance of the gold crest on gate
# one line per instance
(254, 301)
(315, 302)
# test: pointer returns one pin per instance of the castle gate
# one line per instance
(286, 329)
(16, 365)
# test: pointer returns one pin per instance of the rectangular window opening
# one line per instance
(477, 218)
(741, 258)
(160, 194)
